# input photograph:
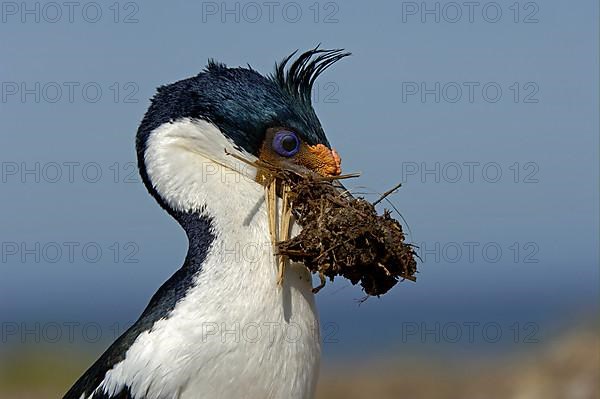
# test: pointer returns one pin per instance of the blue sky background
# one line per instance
(548, 132)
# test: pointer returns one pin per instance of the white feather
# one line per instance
(236, 334)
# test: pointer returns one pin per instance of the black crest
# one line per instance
(299, 78)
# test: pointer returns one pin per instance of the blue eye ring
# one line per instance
(286, 143)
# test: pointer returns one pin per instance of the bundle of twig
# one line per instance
(345, 236)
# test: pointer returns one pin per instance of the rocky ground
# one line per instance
(568, 369)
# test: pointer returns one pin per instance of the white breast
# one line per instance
(236, 334)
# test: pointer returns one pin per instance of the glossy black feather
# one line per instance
(298, 78)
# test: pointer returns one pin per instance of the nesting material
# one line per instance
(341, 235)
(279, 227)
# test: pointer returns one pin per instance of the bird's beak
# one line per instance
(321, 159)
(325, 162)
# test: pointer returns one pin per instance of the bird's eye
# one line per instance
(286, 143)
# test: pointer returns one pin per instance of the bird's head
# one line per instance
(196, 132)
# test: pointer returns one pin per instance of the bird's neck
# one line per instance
(230, 320)
(231, 331)
(230, 245)
(263, 335)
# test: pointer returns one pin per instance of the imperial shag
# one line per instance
(221, 327)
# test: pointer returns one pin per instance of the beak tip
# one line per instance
(327, 161)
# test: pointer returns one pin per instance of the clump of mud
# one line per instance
(345, 236)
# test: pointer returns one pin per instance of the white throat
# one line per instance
(236, 333)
